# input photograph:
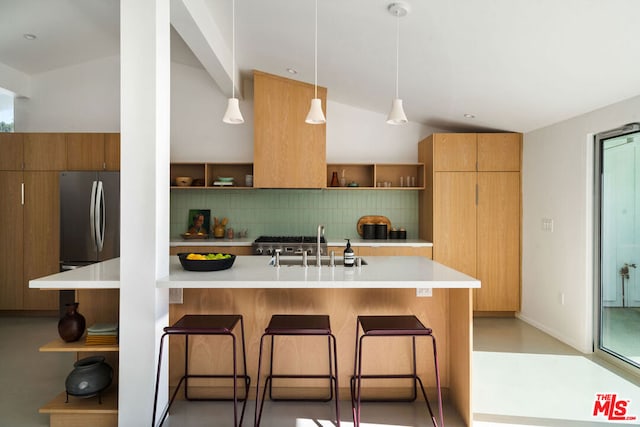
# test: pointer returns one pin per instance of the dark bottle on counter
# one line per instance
(349, 256)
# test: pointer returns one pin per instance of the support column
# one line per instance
(144, 126)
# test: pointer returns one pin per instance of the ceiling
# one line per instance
(517, 65)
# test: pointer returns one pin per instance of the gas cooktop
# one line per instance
(288, 245)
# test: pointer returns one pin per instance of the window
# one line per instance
(6, 112)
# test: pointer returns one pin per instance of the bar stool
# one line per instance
(391, 326)
(206, 324)
(298, 325)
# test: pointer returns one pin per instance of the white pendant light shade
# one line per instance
(396, 115)
(316, 116)
(233, 115)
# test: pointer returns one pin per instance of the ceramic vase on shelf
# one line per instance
(90, 376)
(71, 325)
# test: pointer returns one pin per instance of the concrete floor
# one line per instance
(522, 377)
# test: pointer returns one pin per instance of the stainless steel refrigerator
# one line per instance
(89, 217)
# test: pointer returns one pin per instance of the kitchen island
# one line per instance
(257, 290)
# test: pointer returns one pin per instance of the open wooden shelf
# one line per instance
(58, 345)
(207, 173)
(369, 175)
(84, 405)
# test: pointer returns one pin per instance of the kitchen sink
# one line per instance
(311, 261)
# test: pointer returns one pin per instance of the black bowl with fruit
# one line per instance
(197, 261)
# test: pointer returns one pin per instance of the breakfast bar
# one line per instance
(440, 296)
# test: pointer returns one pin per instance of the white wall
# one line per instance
(79, 98)
(86, 98)
(557, 183)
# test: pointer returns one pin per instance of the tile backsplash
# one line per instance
(296, 212)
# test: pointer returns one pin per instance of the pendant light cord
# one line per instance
(397, 50)
(315, 78)
(233, 49)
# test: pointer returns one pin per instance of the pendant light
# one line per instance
(396, 115)
(233, 115)
(315, 115)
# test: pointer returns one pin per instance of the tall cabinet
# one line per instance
(30, 231)
(471, 211)
(30, 166)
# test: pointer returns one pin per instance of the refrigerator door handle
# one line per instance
(100, 216)
(92, 211)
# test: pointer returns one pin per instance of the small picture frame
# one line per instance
(199, 221)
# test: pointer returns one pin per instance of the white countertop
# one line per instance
(330, 242)
(381, 272)
(101, 275)
(255, 272)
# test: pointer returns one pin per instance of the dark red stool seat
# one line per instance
(392, 326)
(206, 324)
(298, 325)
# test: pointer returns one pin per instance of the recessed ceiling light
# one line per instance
(29, 36)
(292, 70)
(469, 116)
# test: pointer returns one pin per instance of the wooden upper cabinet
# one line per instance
(45, 152)
(499, 152)
(454, 152)
(11, 147)
(85, 151)
(112, 151)
(288, 153)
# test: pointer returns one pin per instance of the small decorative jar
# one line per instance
(89, 377)
(71, 325)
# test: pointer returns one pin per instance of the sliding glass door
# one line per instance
(618, 255)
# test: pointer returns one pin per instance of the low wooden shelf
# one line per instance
(58, 345)
(80, 411)
(83, 411)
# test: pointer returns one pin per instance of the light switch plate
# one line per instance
(175, 296)
(424, 292)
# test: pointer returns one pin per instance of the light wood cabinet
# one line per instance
(45, 152)
(41, 236)
(112, 151)
(287, 152)
(470, 210)
(498, 241)
(93, 151)
(29, 230)
(11, 241)
(30, 211)
(235, 250)
(12, 150)
(381, 250)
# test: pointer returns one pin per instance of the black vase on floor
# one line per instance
(71, 325)
(90, 376)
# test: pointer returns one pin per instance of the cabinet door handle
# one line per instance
(477, 195)
(22, 193)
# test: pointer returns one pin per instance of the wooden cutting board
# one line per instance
(372, 219)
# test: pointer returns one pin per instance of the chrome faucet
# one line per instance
(318, 247)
